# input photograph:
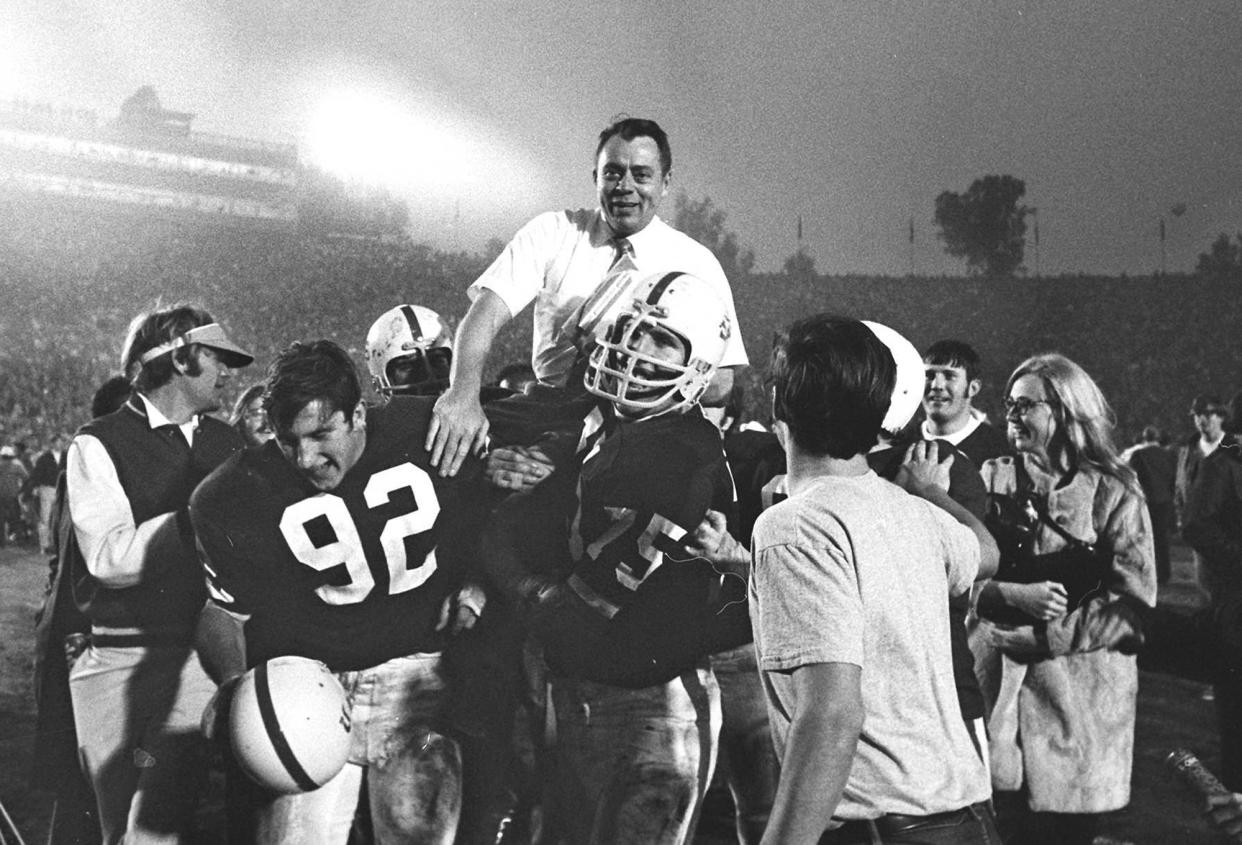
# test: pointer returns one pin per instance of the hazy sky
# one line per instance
(854, 115)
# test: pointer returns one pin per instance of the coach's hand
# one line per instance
(518, 468)
(458, 427)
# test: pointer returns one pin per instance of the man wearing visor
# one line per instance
(139, 691)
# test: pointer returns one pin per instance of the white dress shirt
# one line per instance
(558, 259)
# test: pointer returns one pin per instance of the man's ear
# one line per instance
(781, 430)
(972, 389)
(665, 182)
(359, 419)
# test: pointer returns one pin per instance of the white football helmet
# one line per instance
(911, 378)
(289, 724)
(409, 350)
(639, 383)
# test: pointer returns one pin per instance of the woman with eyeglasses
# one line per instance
(1055, 632)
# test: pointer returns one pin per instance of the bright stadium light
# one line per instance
(10, 74)
(367, 138)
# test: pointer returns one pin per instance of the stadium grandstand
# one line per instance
(100, 219)
(148, 156)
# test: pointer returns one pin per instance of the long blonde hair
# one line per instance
(1086, 420)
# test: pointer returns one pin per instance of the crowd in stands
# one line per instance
(70, 280)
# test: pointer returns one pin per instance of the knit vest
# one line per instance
(158, 475)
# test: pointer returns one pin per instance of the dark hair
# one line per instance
(152, 328)
(1209, 403)
(251, 393)
(832, 384)
(954, 353)
(305, 372)
(110, 396)
(630, 128)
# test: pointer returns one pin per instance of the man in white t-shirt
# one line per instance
(851, 623)
(952, 369)
(578, 268)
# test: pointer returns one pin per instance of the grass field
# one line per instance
(1172, 713)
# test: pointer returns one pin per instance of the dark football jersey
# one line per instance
(643, 488)
(353, 576)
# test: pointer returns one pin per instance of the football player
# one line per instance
(409, 351)
(334, 542)
(626, 627)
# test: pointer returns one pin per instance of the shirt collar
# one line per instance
(603, 236)
(156, 419)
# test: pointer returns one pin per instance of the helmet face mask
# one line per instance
(409, 351)
(661, 353)
(418, 373)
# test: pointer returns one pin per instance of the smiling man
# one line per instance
(334, 542)
(952, 369)
(578, 268)
(138, 688)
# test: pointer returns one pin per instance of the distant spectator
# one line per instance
(249, 418)
(515, 376)
(1212, 525)
(952, 368)
(42, 484)
(110, 396)
(27, 450)
(12, 477)
(1156, 468)
(1209, 414)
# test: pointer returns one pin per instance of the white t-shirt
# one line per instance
(856, 570)
(558, 259)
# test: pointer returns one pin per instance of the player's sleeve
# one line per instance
(230, 574)
(459, 544)
(116, 550)
(517, 274)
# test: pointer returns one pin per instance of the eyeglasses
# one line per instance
(1023, 405)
